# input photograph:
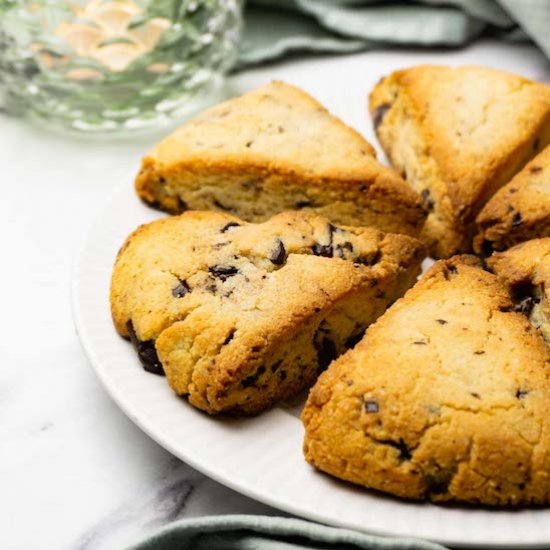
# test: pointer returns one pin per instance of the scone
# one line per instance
(276, 149)
(241, 315)
(519, 211)
(525, 271)
(457, 135)
(447, 397)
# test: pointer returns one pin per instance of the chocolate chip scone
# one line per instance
(525, 271)
(241, 315)
(276, 149)
(446, 398)
(519, 211)
(458, 135)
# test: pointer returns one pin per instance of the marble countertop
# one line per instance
(75, 473)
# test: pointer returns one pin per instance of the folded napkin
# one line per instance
(242, 532)
(274, 28)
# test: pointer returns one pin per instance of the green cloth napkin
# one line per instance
(242, 532)
(274, 28)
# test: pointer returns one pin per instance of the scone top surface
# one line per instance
(447, 397)
(458, 135)
(275, 149)
(276, 124)
(241, 314)
(520, 210)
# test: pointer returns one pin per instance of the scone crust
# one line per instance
(525, 270)
(519, 211)
(446, 397)
(243, 315)
(433, 121)
(273, 149)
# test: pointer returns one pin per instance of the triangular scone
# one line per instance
(457, 135)
(447, 397)
(243, 315)
(519, 211)
(525, 270)
(275, 149)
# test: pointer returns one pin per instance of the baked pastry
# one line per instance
(458, 135)
(525, 271)
(242, 315)
(447, 397)
(276, 149)
(519, 211)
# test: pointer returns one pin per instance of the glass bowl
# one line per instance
(109, 65)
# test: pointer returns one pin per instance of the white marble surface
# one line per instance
(75, 473)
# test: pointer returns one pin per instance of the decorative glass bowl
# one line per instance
(107, 65)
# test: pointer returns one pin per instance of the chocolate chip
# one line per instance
(513, 190)
(486, 249)
(442, 321)
(371, 406)
(516, 220)
(379, 114)
(229, 337)
(369, 260)
(304, 203)
(253, 378)
(223, 272)
(278, 254)
(229, 226)
(400, 445)
(520, 394)
(326, 250)
(428, 201)
(420, 343)
(249, 143)
(479, 353)
(476, 395)
(276, 365)
(340, 248)
(326, 352)
(322, 250)
(450, 271)
(438, 482)
(146, 351)
(181, 289)
(535, 169)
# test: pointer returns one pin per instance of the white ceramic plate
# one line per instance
(260, 457)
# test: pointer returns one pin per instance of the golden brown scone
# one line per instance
(241, 315)
(519, 211)
(275, 149)
(525, 271)
(458, 135)
(446, 398)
